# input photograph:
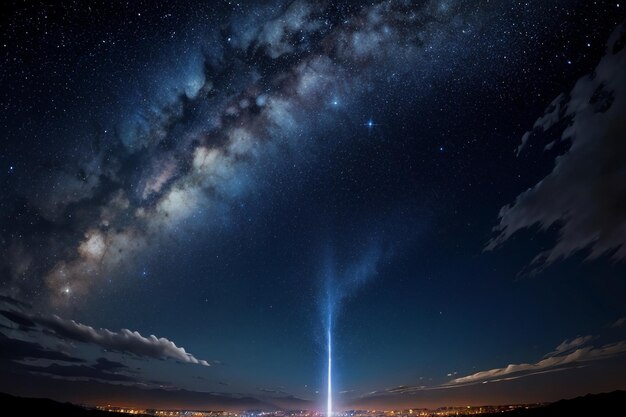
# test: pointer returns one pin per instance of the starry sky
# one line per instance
(185, 186)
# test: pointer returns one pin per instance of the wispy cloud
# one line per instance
(583, 354)
(619, 322)
(79, 372)
(569, 345)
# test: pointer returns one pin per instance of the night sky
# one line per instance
(445, 178)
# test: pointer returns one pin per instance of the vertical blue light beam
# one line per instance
(329, 399)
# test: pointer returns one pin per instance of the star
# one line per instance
(370, 124)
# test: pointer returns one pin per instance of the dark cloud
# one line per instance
(104, 364)
(584, 195)
(17, 350)
(18, 318)
(78, 371)
(272, 391)
(289, 402)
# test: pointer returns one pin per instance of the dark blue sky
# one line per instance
(206, 172)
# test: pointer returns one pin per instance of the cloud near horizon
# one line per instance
(571, 353)
(583, 354)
